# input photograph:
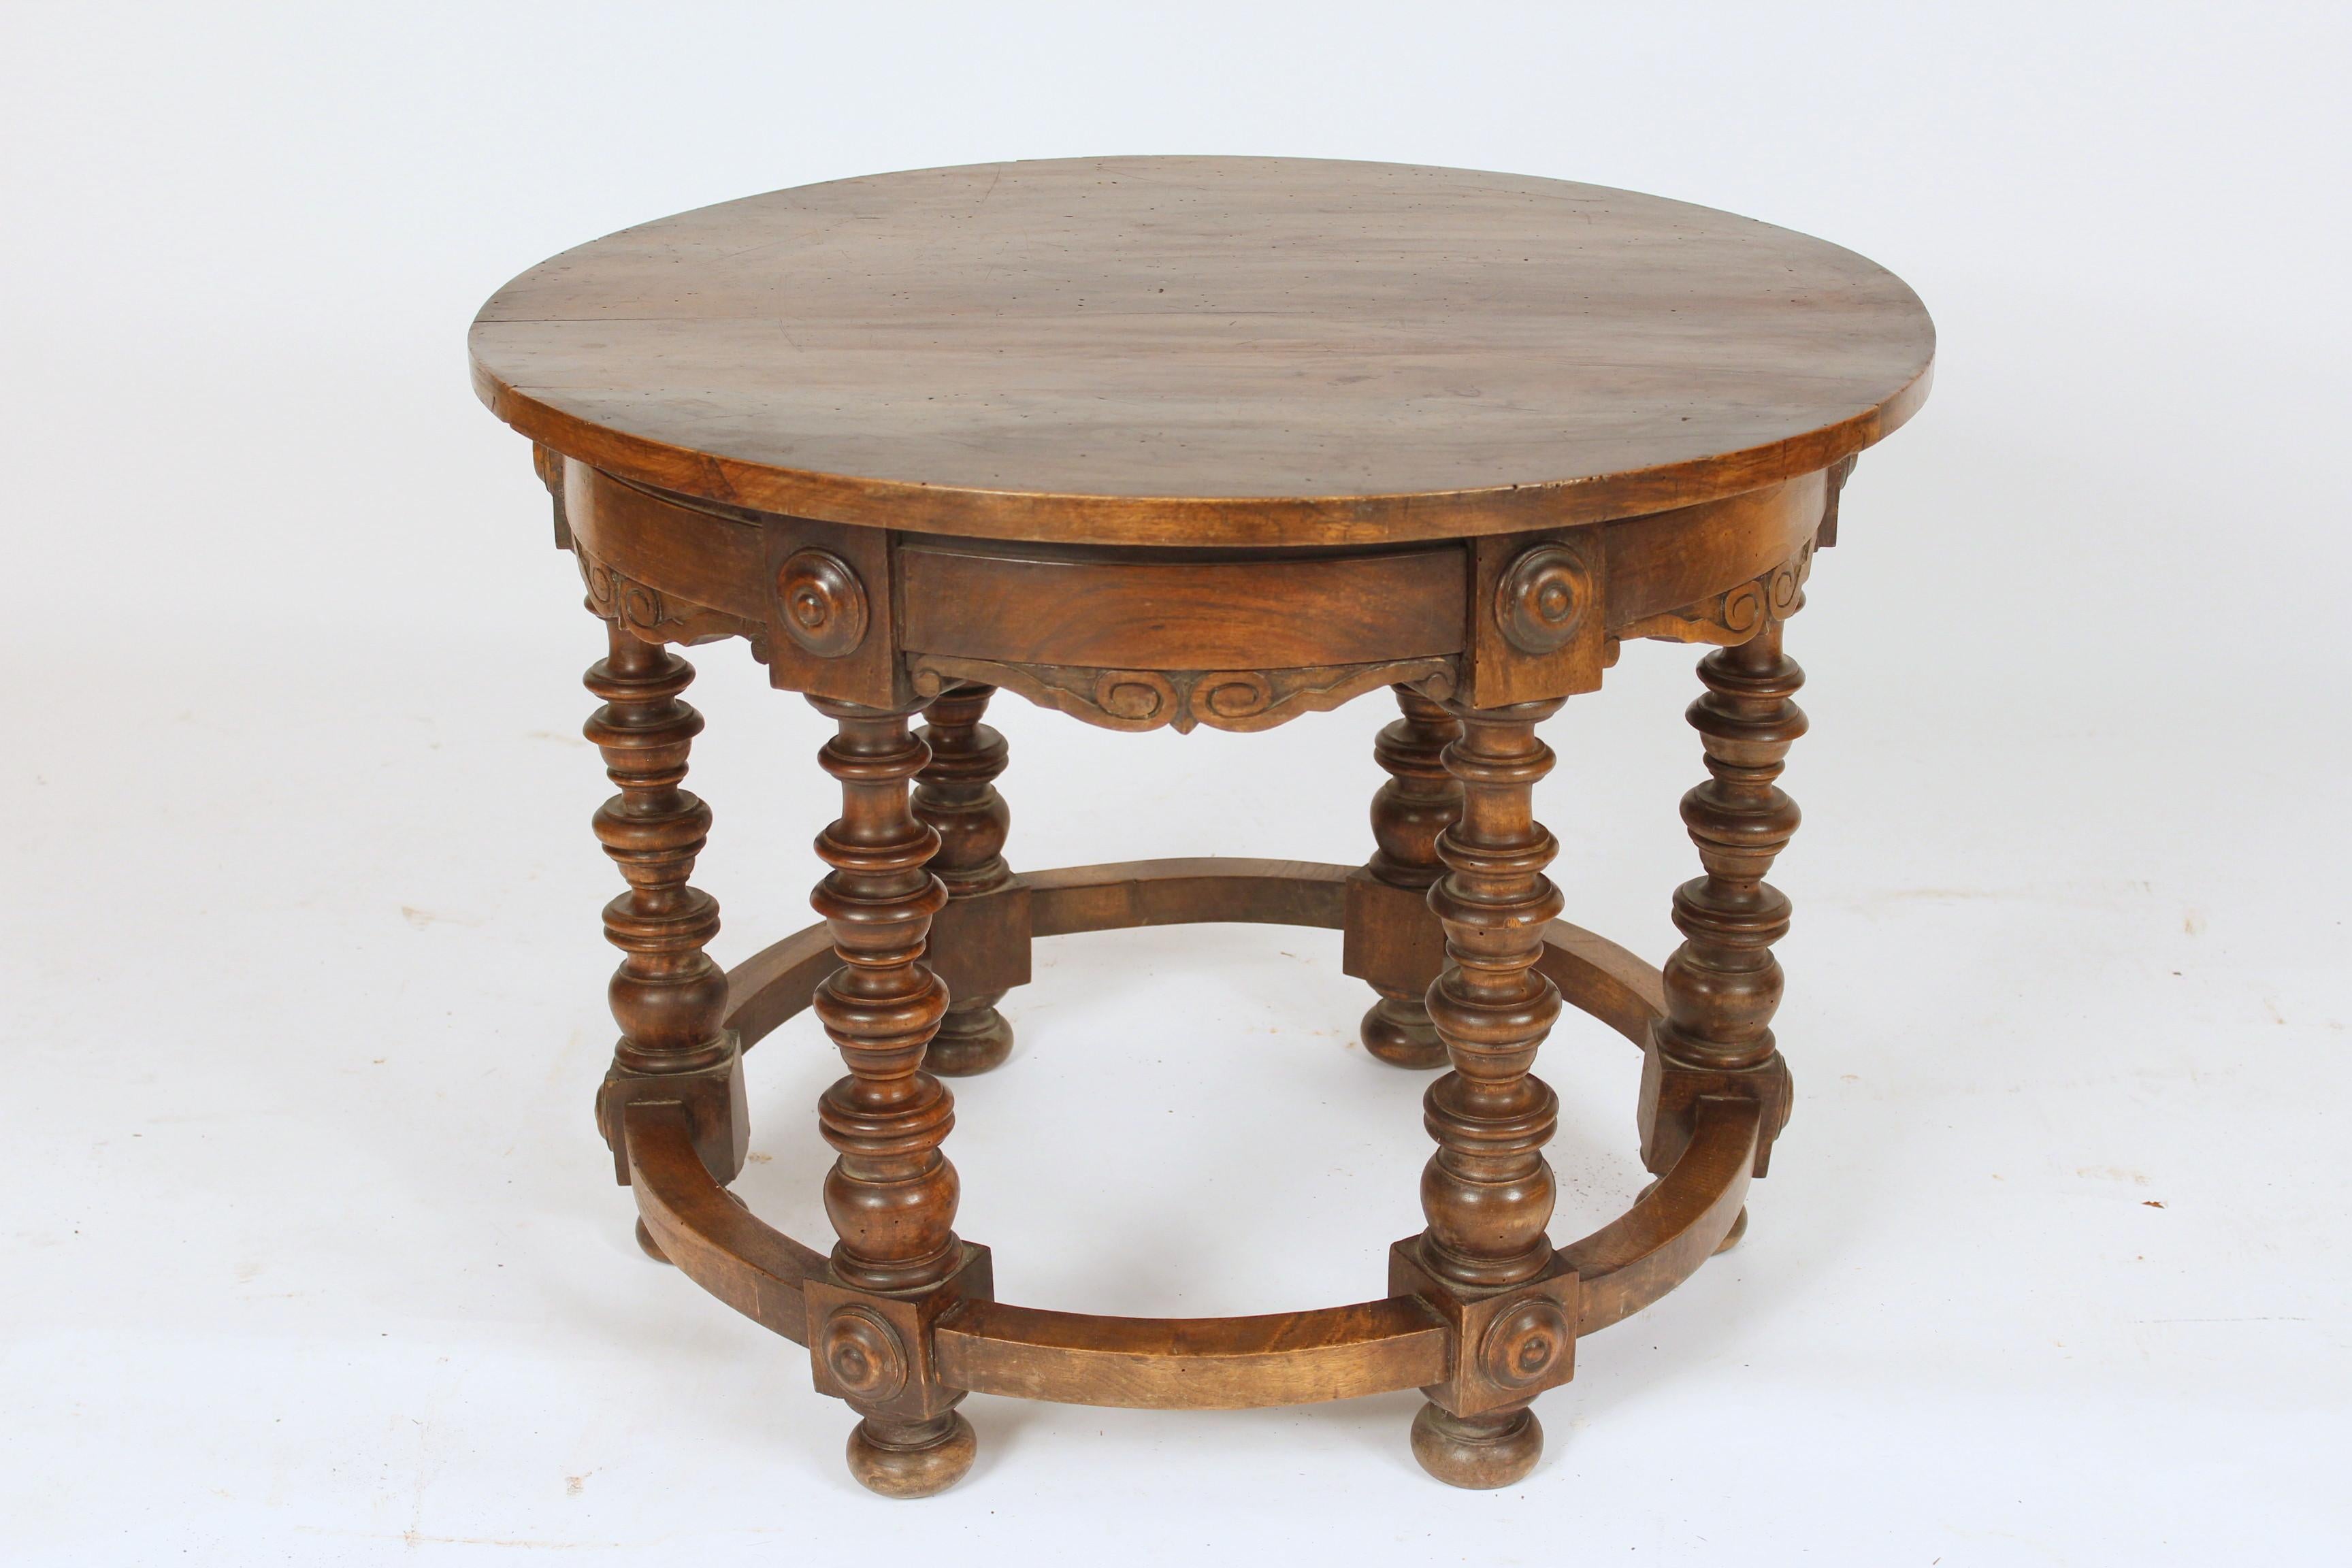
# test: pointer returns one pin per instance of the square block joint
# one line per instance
(878, 1352)
(980, 943)
(1390, 938)
(713, 1098)
(1509, 1345)
(1671, 1091)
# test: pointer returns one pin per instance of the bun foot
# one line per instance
(1398, 1031)
(912, 1459)
(1477, 1453)
(972, 1039)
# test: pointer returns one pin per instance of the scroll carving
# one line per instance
(1241, 700)
(1737, 614)
(651, 613)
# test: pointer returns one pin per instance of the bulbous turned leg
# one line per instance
(649, 1246)
(956, 795)
(1477, 1453)
(668, 997)
(1419, 801)
(891, 1194)
(1485, 1262)
(915, 1461)
(1723, 983)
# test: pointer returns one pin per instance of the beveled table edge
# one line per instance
(1233, 522)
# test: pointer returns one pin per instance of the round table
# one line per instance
(1179, 441)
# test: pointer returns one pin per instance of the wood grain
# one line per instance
(1401, 1341)
(1594, 975)
(714, 1241)
(1194, 1364)
(1677, 1225)
(1196, 441)
(1206, 351)
(1124, 612)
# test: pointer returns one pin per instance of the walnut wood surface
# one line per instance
(667, 996)
(714, 1241)
(1484, 1260)
(1206, 351)
(892, 1194)
(1723, 984)
(1332, 1353)
(1119, 610)
(1196, 442)
(1676, 1226)
(1195, 1364)
(1487, 1192)
(978, 948)
(1594, 975)
(1393, 939)
(1133, 638)
(1184, 892)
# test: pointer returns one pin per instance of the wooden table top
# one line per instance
(1206, 351)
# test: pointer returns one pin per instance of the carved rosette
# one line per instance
(1525, 1344)
(824, 608)
(863, 1353)
(1238, 699)
(1544, 597)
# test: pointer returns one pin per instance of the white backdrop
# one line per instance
(310, 1253)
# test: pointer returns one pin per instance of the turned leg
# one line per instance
(1485, 1262)
(1397, 940)
(891, 1194)
(668, 997)
(956, 795)
(1723, 983)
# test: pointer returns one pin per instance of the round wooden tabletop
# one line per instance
(1206, 351)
